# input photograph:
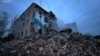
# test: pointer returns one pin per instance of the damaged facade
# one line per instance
(72, 26)
(33, 20)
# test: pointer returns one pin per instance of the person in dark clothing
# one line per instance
(40, 31)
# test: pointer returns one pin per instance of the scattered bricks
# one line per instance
(62, 51)
(52, 44)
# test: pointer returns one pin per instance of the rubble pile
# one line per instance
(52, 44)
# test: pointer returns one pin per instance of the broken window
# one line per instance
(40, 14)
(31, 27)
(40, 31)
(23, 24)
(33, 14)
(22, 19)
(21, 33)
(31, 24)
(46, 19)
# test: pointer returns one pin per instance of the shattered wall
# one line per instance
(32, 21)
(52, 21)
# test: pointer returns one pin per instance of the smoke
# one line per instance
(60, 24)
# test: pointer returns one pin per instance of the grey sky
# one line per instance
(86, 13)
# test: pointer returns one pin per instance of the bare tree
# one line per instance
(3, 22)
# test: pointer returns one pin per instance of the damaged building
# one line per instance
(69, 27)
(33, 20)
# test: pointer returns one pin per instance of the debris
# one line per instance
(52, 44)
